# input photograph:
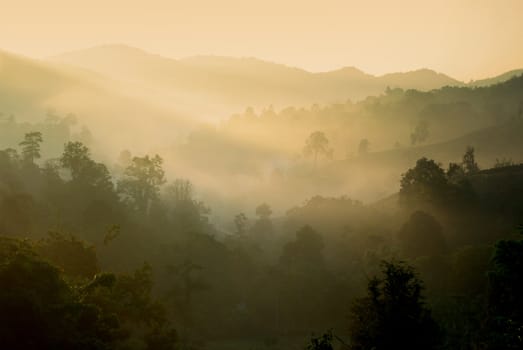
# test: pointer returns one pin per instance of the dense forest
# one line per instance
(101, 254)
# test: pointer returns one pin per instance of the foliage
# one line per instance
(317, 144)
(323, 342)
(41, 311)
(240, 224)
(142, 181)
(420, 133)
(31, 146)
(505, 307)
(421, 235)
(425, 183)
(469, 163)
(393, 315)
(77, 259)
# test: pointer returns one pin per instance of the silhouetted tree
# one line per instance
(263, 228)
(240, 223)
(74, 158)
(263, 211)
(317, 144)
(393, 315)
(142, 181)
(323, 342)
(84, 171)
(420, 133)
(305, 252)
(425, 183)
(421, 236)
(469, 163)
(505, 304)
(31, 146)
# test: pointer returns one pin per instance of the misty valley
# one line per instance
(233, 203)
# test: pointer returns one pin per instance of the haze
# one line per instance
(232, 175)
(466, 39)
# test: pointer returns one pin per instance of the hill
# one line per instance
(497, 79)
(382, 170)
(29, 88)
(230, 84)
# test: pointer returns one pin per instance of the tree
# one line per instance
(469, 163)
(421, 236)
(323, 342)
(240, 222)
(142, 181)
(31, 146)
(263, 211)
(84, 171)
(363, 147)
(40, 310)
(75, 157)
(76, 258)
(393, 315)
(263, 228)
(455, 173)
(425, 183)
(317, 144)
(505, 305)
(305, 253)
(420, 133)
(187, 213)
(187, 281)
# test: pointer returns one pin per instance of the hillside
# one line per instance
(382, 170)
(497, 79)
(234, 83)
(29, 88)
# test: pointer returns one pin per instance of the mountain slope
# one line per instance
(497, 79)
(382, 170)
(28, 88)
(229, 84)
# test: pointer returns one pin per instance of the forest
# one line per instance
(393, 222)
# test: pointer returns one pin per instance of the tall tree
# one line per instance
(420, 133)
(240, 222)
(469, 162)
(425, 183)
(505, 305)
(142, 181)
(84, 171)
(75, 158)
(263, 227)
(317, 144)
(393, 315)
(31, 146)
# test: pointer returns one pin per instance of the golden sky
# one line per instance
(463, 38)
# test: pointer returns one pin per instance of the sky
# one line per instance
(467, 39)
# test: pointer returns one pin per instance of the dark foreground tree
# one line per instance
(424, 184)
(505, 304)
(421, 236)
(393, 315)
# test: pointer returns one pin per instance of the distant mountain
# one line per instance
(27, 85)
(422, 79)
(229, 84)
(29, 88)
(498, 79)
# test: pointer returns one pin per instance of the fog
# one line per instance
(213, 202)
